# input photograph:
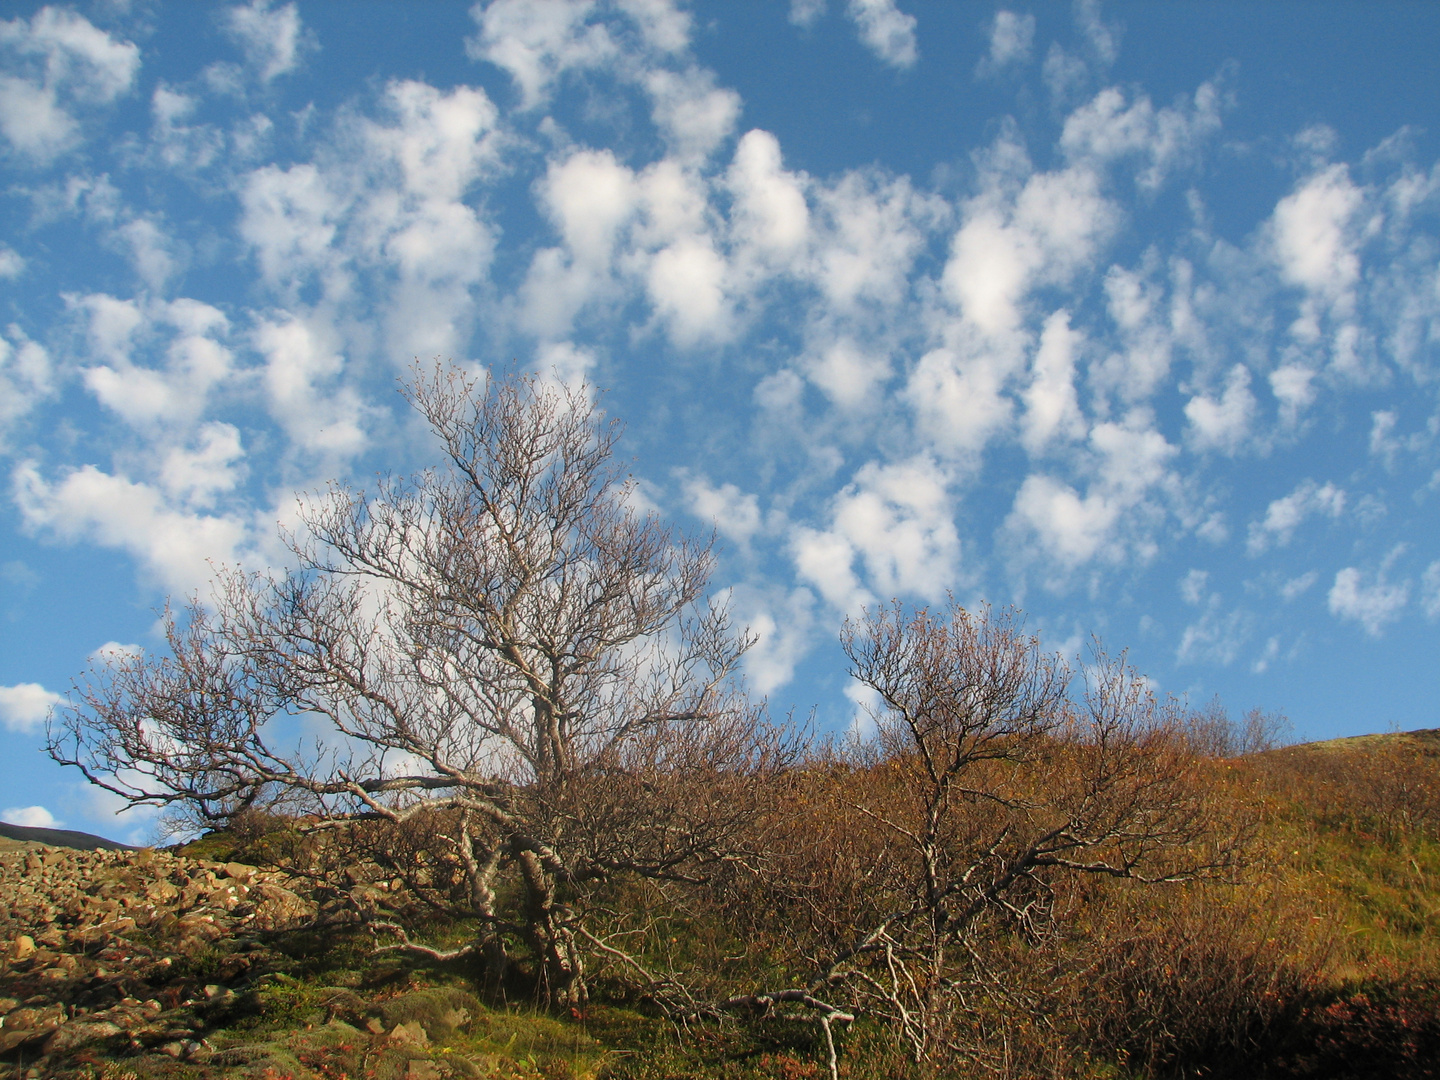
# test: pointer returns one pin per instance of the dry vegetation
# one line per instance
(544, 793)
(1313, 955)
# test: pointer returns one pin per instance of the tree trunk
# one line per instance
(561, 967)
(480, 869)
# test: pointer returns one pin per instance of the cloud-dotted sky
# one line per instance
(1129, 315)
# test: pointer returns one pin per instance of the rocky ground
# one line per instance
(125, 964)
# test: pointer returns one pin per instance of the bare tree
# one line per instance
(992, 778)
(501, 652)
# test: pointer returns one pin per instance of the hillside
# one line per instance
(128, 964)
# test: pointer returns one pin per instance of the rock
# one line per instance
(409, 1034)
(29, 1025)
(12, 1038)
(22, 948)
(279, 909)
(199, 927)
(419, 1069)
(80, 1033)
(239, 871)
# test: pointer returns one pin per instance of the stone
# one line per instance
(409, 1034)
(279, 909)
(419, 1069)
(22, 948)
(78, 1033)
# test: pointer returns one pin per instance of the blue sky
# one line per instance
(1127, 314)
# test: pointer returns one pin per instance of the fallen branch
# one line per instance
(826, 1015)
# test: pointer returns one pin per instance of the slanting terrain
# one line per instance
(19, 835)
(126, 964)
(149, 964)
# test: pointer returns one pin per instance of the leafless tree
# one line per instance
(992, 778)
(500, 651)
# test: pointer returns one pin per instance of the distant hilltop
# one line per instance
(66, 838)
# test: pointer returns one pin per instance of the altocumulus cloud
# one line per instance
(1013, 338)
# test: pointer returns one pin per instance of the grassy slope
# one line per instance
(1349, 841)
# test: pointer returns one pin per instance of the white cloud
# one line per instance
(195, 477)
(693, 114)
(536, 41)
(805, 13)
(1024, 229)
(272, 38)
(1216, 638)
(735, 514)
(770, 220)
(590, 197)
(1064, 75)
(565, 361)
(1387, 446)
(1010, 38)
(26, 377)
(894, 522)
(1285, 515)
(427, 151)
(686, 282)
(32, 120)
(1372, 605)
(868, 229)
(1102, 37)
(31, 817)
(114, 651)
(1261, 663)
(1041, 234)
(302, 372)
(289, 218)
(1106, 129)
(885, 30)
(380, 222)
(1315, 243)
(1136, 306)
(1430, 590)
(826, 560)
(664, 24)
(1223, 425)
(1298, 586)
(1292, 385)
(898, 518)
(173, 547)
(780, 391)
(59, 63)
(1112, 520)
(25, 706)
(785, 629)
(848, 375)
(177, 145)
(434, 141)
(1071, 529)
(195, 360)
(957, 394)
(12, 264)
(1051, 409)
(1193, 587)
(151, 251)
